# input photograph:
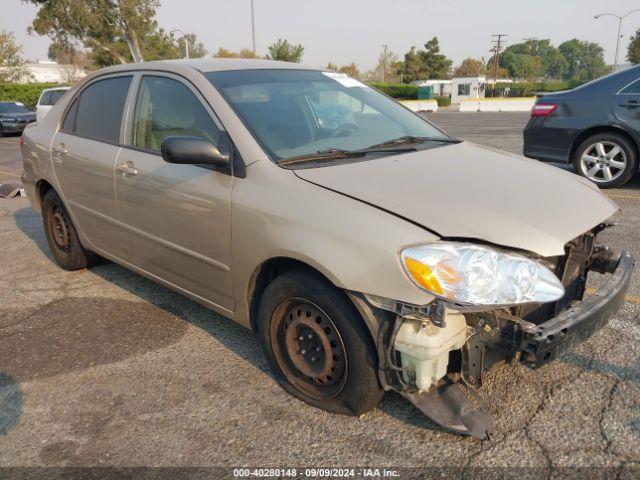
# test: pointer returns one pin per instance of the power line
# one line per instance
(498, 43)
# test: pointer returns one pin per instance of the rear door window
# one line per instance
(97, 112)
(45, 98)
(55, 95)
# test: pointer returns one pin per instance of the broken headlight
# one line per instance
(471, 274)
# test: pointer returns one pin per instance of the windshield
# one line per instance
(11, 107)
(294, 113)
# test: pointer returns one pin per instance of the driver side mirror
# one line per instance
(192, 151)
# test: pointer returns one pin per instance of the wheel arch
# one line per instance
(268, 271)
(42, 187)
(604, 129)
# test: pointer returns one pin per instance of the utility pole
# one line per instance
(186, 42)
(498, 43)
(384, 61)
(620, 18)
(529, 41)
(253, 29)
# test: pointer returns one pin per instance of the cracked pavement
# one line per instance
(102, 367)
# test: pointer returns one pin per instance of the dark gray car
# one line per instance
(14, 116)
(595, 126)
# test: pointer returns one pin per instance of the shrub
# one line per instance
(443, 101)
(397, 90)
(27, 93)
(528, 89)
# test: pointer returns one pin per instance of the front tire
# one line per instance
(62, 236)
(317, 345)
(607, 159)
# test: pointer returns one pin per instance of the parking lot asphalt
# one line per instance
(103, 367)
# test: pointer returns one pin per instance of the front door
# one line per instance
(84, 155)
(176, 218)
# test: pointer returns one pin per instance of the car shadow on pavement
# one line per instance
(82, 326)
(159, 320)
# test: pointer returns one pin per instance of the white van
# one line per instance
(47, 100)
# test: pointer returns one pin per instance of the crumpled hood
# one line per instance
(474, 192)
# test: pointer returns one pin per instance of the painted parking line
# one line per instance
(630, 197)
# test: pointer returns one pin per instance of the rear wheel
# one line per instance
(317, 345)
(607, 159)
(62, 236)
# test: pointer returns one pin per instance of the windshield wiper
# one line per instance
(333, 153)
(407, 139)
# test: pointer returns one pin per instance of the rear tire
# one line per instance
(62, 236)
(607, 159)
(317, 345)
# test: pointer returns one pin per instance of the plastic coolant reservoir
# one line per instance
(424, 348)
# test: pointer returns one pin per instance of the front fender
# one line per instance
(355, 245)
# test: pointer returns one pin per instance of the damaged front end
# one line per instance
(436, 355)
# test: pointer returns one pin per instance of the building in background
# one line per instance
(47, 71)
(473, 87)
(441, 88)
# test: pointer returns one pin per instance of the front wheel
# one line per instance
(317, 345)
(607, 159)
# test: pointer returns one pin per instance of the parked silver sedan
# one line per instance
(368, 250)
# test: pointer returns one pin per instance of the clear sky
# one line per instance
(342, 31)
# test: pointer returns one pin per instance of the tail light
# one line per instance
(21, 141)
(543, 109)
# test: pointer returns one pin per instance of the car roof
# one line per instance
(56, 88)
(211, 65)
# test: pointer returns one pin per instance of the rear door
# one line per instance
(84, 155)
(176, 218)
(627, 106)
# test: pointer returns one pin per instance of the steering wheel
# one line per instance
(344, 130)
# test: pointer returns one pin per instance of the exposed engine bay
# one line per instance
(437, 355)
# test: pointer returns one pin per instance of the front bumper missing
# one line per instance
(544, 342)
(498, 337)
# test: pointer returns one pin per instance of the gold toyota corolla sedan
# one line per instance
(368, 250)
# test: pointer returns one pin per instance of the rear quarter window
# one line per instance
(45, 98)
(634, 88)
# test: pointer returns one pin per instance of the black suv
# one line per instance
(595, 126)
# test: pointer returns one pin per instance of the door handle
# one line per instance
(127, 168)
(630, 104)
(61, 149)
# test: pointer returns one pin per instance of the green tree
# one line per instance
(585, 60)
(11, 63)
(387, 68)
(532, 60)
(412, 67)
(351, 69)
(196, 48)
(74, 61)
(425, 64)
(436, 64)
(104, 26)
(243, 53)
(285, 51)
(469, 67)
(633, 53)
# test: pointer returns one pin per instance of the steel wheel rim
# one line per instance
(308, 348)
(603, 162)
(60, 229)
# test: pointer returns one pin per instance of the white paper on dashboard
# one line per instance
(345, 80)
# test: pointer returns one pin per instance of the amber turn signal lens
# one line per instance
(423, 275)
